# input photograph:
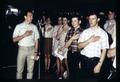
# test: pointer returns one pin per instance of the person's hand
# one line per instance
(60, 50)
(28, 33)
(111, 52)
(97, 68)
(65, 29)
(75, 36)
(94, 38)
(36, 57)
(49, 29)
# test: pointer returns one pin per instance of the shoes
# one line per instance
(65, 75)
(35, 58)
(60, 78)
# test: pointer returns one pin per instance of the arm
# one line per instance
(36, 50)
(111, 52)
(36, 45)
(18, 38)
(85, 43)
(104, 47)
(60, 30)
(68, 43)
(36, 38)
(102, 57)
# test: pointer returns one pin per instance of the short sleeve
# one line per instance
(16, 31)
(82, 37)
(36, 33)
(104, 42)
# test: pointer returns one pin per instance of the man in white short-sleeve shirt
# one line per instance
(27, 35)
(93, 42)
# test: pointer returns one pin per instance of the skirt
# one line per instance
(48, 46)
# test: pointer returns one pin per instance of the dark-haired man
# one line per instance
(26, 34)
(71, 42)
(93, 42)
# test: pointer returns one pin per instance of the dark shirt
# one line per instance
(74, 45)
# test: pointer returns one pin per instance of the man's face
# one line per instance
(93, 20)
(75, 22)
(111, 15)
(65, 21)
(29, 17)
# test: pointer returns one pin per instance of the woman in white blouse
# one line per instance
(48, 43)
(62, 58)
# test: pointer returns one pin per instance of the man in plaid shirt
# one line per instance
(74, 45)
(73, 54)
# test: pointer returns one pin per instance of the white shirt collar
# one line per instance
(95, 28)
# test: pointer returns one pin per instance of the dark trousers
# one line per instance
(87, 67)
(106, 67)
(73, 64)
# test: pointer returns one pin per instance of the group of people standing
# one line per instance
(80, 53)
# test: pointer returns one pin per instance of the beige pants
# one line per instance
(23, 54)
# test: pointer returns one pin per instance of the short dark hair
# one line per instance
(111, 11)
(93, 13)
(65, 17)
(27, 11)
(48, 17)
(76, 17)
